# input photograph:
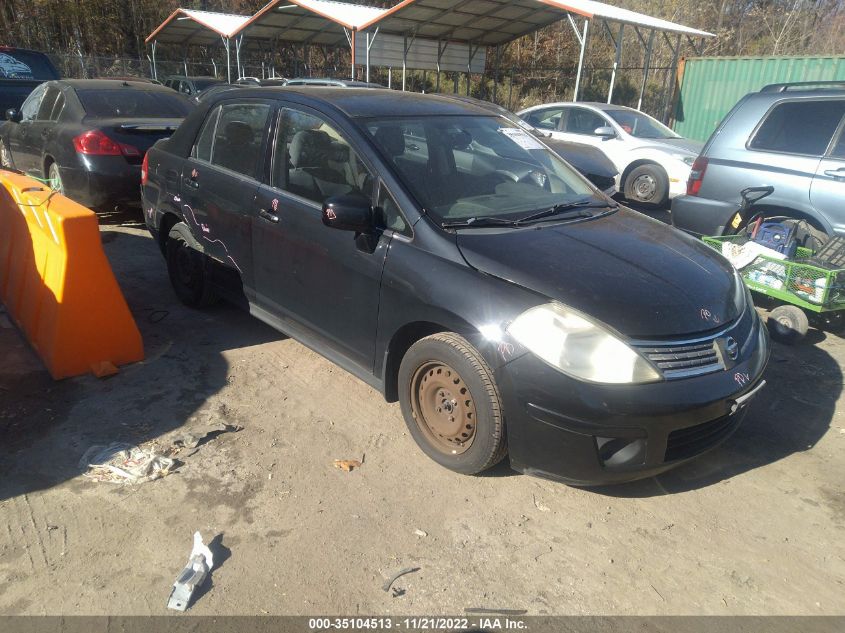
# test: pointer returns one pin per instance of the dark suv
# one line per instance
(448, 258)
(790, 136)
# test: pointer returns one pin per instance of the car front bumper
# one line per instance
(590, 434)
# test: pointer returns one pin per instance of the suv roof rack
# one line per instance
(803, 85)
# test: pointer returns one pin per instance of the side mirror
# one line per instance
(13, 115)
(605, 132)
(348, 213)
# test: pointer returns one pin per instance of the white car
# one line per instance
(653, 162)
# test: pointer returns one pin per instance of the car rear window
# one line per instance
(799, 127)
(129, 102)
(25, 65)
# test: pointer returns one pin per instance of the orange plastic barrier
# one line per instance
(57, 285)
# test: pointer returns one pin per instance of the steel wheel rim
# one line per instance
(644, 187)
(56, 179)
(443, 407)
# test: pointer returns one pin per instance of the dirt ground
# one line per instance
(754, 527)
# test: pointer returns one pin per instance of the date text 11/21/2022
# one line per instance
(418, 624)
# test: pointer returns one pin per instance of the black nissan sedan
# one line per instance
(448, 258)
(89, 136)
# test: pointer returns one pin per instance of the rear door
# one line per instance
(827, 193)
(22, 143)
(220, 180)
(324, 281)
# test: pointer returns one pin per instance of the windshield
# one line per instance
(640, 125)
(462, 167)
(122, 103)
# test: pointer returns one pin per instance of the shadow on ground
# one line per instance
(46, 426)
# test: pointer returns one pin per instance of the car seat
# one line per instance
(312, 174)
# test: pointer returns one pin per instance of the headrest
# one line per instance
(392, 139)
(239, 133)
(310, 148)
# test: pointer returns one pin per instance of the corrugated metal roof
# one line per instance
(711, 86)
(197, 27)
(591, 9)
(490, 22)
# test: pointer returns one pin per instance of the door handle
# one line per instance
(190, 182)
(269, 216)
(838, 174)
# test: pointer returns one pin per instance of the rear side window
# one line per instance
(799, 127)
(130, 102)
(25, 65)
(546, 119)
(233, 136)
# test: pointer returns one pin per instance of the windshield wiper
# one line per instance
(479, 222)
(577, 209)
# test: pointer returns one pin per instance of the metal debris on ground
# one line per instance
(420, 533)
(347, 464)
(389, 582)
(199, 564)
(124, 463)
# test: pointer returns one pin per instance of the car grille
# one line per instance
(684, 443)
(681, 360)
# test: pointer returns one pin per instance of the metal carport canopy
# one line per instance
(189, 27)
(492, 22)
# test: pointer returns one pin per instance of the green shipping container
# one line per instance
(711, 86)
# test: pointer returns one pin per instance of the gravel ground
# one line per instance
(754, 527)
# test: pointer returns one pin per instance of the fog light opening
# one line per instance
(621, 451)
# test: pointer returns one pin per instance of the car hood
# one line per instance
(681, 145)
(584, 158)
(635, 274)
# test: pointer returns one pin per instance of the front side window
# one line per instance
(546, 119)
(238, 137)
(314, 161)
(29, 109)
(799, 127)
(583, 121)
(640, 125)
(461, 167)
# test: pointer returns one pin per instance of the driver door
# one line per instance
(319, 280)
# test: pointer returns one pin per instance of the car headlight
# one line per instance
(579, 347)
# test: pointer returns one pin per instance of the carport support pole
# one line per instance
(228, 60)
(646, 66)
(155, 70)
(352, 52)
(367, 57)
(496, 71)
(582, 40)
(238, 41)
(673, 75)
(404, 60)
(616, 61)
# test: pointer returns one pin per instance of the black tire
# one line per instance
(788, 324)
(188, 268)
(479, 441)
(647, 185)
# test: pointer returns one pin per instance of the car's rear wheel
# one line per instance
(647, 185)
(5, 156)
(451, 404)
(188, 268)
(788, 324)
(55, 179)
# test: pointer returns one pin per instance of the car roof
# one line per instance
(364, 102)
(597, 105)
(111, 84)
(193, 77)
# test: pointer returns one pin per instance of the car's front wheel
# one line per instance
(188, 268)
(647, 185)
(451, 404)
